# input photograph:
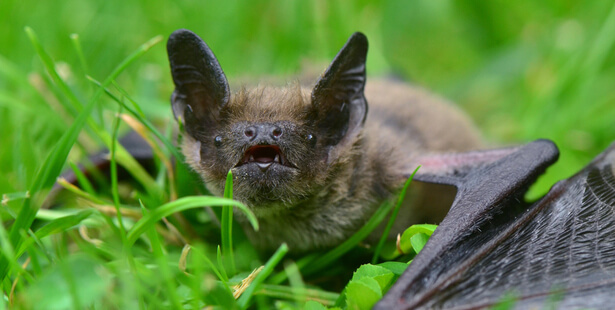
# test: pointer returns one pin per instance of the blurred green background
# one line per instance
(522, 69)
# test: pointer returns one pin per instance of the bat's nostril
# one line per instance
(250, 132)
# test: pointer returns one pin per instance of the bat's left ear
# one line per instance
(338, 99)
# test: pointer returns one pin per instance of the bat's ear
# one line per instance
(201, 88)
(338, 99)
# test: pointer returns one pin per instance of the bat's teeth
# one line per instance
(251, 158)
(277, 159)
(263, 166)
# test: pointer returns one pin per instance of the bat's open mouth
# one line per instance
(264, 156)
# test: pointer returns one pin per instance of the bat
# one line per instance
(311, 162)
(555, 253)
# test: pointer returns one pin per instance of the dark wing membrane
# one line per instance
(558, 252)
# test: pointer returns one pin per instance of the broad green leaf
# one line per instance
(418, 242)
(382, 275)
(363, 293)
(313, 305)
(405, 242)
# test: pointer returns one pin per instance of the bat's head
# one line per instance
(280, 143)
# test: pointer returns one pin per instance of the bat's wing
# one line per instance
(559, 252)
(452, 168)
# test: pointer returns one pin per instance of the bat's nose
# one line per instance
(263, 131)
(251, 132)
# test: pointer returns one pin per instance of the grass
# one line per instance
(523, 70)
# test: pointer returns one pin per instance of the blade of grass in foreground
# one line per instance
(385, 233)
(52, 166)
(201, 257)
(226, 225)
(182, 204)
(163, 267)
(57, 226)
(292, 293)
(114, 186)
(220, 264)
(244, 299)
(74, 38)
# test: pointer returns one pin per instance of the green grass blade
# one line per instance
(295, 279)
(50, 66)
(52, 166)
(301, 264)
(7, 252)
(202, 257)
(226, 225)
(63, 223)
(137, 114)
(126, 95)
(77, 45)
(387, 229)
(14, 196)
(5, 246)
(56, 226)
(293, 293)
(114, 187)
(182, 204)
(82, 179)
(244, 299)
(123, 157)
(221, 265)
(163, 267)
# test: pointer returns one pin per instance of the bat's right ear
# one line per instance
(201, 88)
(338, 97)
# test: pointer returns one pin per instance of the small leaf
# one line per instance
(382, 275)
(362, 293)
(418, 241)
(313, 305)
(405, 242)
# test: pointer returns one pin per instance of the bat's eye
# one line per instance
(311, 139)
(218, 141)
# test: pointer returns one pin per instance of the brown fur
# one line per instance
(337, 173)
(324, 206)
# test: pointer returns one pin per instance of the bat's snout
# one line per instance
(263, 132)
